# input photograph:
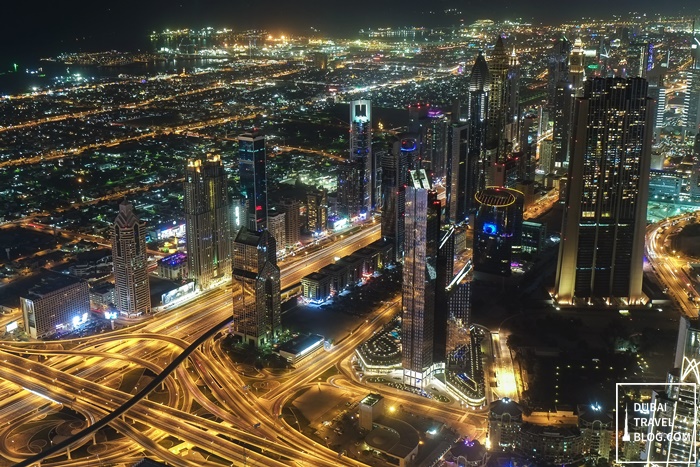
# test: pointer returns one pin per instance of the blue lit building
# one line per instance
(497, 231)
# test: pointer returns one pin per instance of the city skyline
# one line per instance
(450, 245)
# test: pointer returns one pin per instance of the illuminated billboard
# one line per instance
(175, 294)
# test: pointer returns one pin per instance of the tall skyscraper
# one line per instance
(292, 226)
(395, 167)
(475, 168)
(419, 279)
(207, 221)
(498, 101)
(317, 210)
(602, 244)
(251, 165)
(691, 103)
(458, 172)
(557, 68)
(132, 294)
(361, 153)
(276, 224)
(256, 310)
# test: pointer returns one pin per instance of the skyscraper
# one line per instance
(498, 101)
(602, 244)
(419, 279)
(251, 165)
(557, 68)
(361, 154)
(292, 225)
(691, 103)
(132, 294)
(395, 168)
(207, 221)
(256, 310)
(475, 165)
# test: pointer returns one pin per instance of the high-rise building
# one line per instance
(276, 224)
(475, 165)
(256, 309)
(132, 294)
(462, 178)
(497, 231)
(602, 241)
(292, 226)
(498, 100)
(207, 221)
(347, 189)
(431, 126)
(691, 103)
(57, 303)
(419, 280)
(557, 68)
(395, 167)
(251, 165)
(562, 115)
(317, 210)
(361, 154)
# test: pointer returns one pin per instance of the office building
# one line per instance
(173, 267)
(292, 226)
(557, 68)
(317, 210)
(251, 166)
(462, 173)
(56, 304)
(132, 294)
(602, 241)
(395, 167)
(419, 280)
(276, 224)
(691, 103)
(207, 221)
(256, 309)
(430, 125)
(361, 156)
(498, 100)
(474, 171)
(497, 231)
(533, 237)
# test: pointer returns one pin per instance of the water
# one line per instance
(41, 74)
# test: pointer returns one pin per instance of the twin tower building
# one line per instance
(214, 255)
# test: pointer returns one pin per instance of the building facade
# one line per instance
(251, 165)
(602, 244)
(132, 293)
(256, 309)
(208, 221)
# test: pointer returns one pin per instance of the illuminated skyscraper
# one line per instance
(251, 165)
(208, 221)
(498, 101)
(419, 280)
(691, 103)
(132, 294)
(602, 242)
(256, 309)
(557, 68)
(459, 172)
(361, 154)
(475, 165)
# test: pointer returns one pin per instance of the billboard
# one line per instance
(175, 294)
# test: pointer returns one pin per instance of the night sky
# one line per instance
(41, 27)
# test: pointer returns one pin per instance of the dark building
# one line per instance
(562, 117)
(602, 241)
(497, 231)
(462, 174)
(557, 68)
(361, 156)
(256, 309)
(207, 221)
(395, 168)
(498, 100)
(251, 164)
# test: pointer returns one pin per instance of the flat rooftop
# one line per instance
(300, 344)
(371, 399)
(50, 281)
